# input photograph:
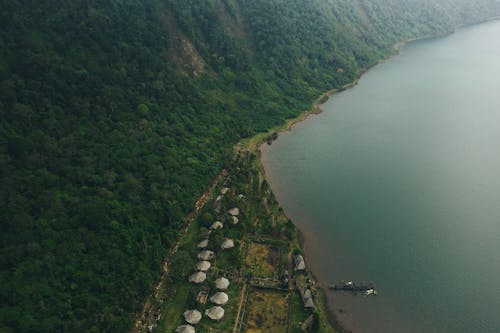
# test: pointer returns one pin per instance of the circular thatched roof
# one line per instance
(217, 225)
(222, 283)
(235, 220)
(192, 316)
(215, 313)
(203, 265)
(219, 298)
(185, 329)
(227, 244)
(198, 277)
(203, 244)
(234, 211)
(206, 255)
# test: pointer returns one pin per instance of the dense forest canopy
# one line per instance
(115, 115)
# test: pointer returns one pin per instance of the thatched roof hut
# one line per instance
(227, 244)
(307, 299)
(217, 225)
(234, 220)
(224, 190)
(206, 255)
(215, 313)
(234, 211)
(198, 277)
(219, 298)
(222, 283)
(203, 244)
(193, 317)
(299, 262)
(203, 265)
(185, 329)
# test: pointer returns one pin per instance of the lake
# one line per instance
(397, 182)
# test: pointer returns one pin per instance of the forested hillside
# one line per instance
(115, 115)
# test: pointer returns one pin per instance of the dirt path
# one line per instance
(243, 290)
(154, 301)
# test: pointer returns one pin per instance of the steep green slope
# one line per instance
(115, 115)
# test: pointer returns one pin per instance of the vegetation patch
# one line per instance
(297, 314)
(262, 259)
(267, 312)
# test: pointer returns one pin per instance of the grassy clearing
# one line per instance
(174, 308)
(267, 311)
(297, 314)
(262, 259)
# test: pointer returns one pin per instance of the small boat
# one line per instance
(370, 292)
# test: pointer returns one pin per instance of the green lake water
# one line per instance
(398, 183)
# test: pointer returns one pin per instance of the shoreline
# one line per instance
(257, 142)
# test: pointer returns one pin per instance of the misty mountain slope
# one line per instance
(115, 115)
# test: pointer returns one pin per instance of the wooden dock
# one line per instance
(352, 286)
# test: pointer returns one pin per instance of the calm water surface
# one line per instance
(398, 182)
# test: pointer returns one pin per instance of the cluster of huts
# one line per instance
(306, 294)
(205, 256)
(216, 312)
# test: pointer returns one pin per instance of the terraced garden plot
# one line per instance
(262, 259)
(267, 311)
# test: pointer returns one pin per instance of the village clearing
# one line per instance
(263, 293)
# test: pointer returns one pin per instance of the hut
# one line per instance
(198, 277)
(219, 298)
(227, 244)
(284, 277)
(299, 262)
(206, 255)
(222, 283)
(192, 317)
(203, 244)
(234, 211)
(307, 299)
(203, 265)
(203, 295)
(234, 220)
(185, 329)
(224, 190)
(217, 225)
(215, 313)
